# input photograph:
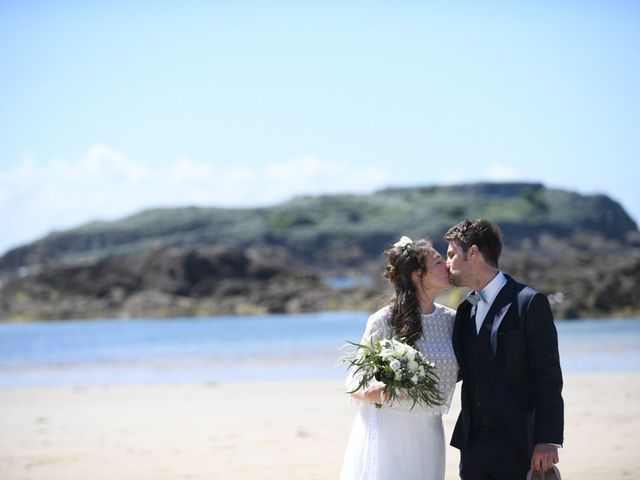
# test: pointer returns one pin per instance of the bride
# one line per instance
(395, 441)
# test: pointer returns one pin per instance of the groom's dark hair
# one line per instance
(481, 233)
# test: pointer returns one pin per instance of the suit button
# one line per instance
(479, 404)
(477, 386)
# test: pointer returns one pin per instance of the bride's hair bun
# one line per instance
(402, 261)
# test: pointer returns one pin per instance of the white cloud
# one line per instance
(311, 176)
(502, 173)
(36, 198)
(491, 173)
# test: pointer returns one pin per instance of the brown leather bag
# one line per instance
(552, 474)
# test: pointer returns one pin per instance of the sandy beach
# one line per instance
(261, 430)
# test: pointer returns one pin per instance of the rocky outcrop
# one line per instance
(337, 230)
(582, 250)
(165, 282)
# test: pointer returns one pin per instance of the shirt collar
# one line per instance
(491, 290)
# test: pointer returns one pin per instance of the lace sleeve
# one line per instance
(377, 328)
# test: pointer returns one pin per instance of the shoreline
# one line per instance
(365, 308)
(261, 430)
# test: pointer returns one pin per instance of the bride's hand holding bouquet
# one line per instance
(388, 370)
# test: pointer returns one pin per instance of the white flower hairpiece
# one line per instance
(404, 242)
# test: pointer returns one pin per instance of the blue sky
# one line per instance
(109, 108)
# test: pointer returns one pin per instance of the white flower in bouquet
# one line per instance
(403, 369)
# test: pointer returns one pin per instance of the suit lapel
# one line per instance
(498, 310)
(463, 314)
(496, 325)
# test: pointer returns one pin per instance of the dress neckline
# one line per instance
(435, 310)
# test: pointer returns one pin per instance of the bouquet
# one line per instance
(402, 368)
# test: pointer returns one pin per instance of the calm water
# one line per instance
(243, 348)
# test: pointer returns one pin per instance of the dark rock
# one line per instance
(582, 250)
(163, 282)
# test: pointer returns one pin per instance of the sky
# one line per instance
(109, 108)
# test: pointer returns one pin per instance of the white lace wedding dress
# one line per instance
(395, 442)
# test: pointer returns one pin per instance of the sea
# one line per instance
(249, 348)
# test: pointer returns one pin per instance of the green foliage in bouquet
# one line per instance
(405, 371)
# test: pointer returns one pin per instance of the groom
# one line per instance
(507, 348)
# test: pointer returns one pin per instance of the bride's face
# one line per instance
(437, 276)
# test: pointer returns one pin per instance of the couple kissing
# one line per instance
(501, 342)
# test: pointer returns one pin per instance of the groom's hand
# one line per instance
(544, 456)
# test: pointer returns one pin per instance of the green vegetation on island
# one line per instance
(582, 250)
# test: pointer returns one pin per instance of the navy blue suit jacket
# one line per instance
(525, 370)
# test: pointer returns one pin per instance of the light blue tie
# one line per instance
(474, 297)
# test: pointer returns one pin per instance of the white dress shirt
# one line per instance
(487, 295)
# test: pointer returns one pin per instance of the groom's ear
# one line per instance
(475, 254)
